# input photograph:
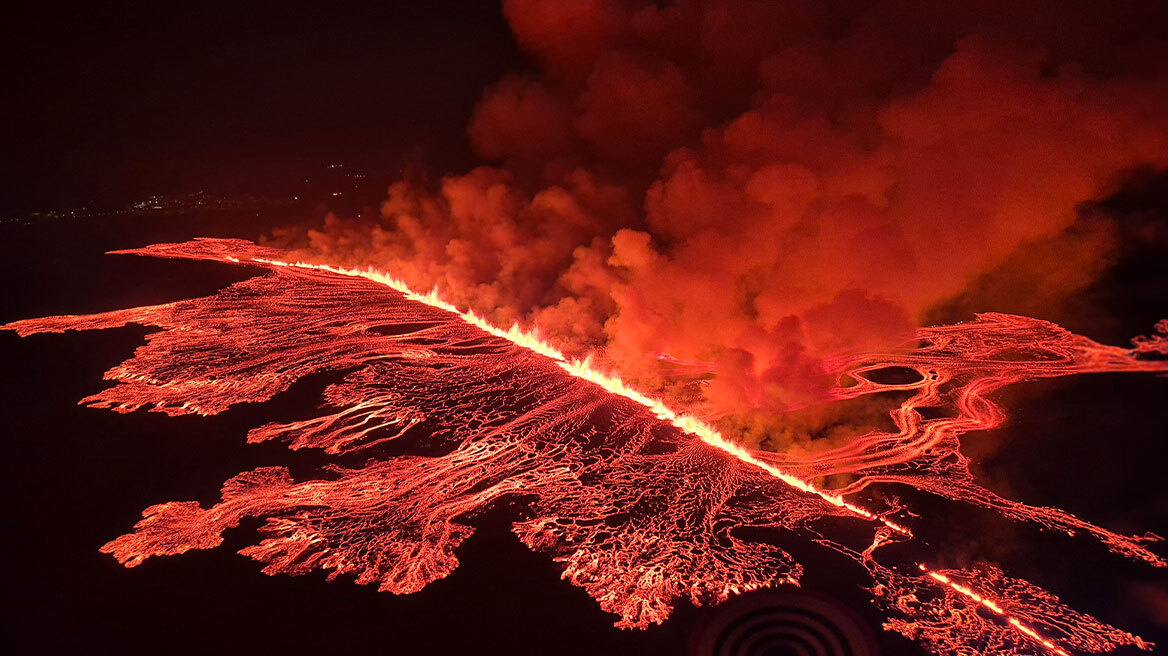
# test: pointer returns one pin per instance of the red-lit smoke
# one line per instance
(759, 186)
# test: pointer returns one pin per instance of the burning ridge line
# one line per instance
(990, 604)
(583, 369)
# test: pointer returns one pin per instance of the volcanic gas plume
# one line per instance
(641, 505)
(758, 186)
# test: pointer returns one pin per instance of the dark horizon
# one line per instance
(114, 103)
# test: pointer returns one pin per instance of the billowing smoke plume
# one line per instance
(755, 185)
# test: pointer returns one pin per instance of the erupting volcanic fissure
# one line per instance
(642, 505)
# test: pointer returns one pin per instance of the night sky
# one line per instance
(106, 105)
(113, 102)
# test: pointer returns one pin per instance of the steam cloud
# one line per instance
(757, 186)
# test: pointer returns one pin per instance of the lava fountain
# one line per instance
(640, 504)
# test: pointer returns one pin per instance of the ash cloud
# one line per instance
(750, 187)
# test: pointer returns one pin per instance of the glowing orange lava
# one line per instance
(608, 480)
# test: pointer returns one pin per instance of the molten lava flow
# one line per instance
(959, 615)
(994, 607)
(610, 481)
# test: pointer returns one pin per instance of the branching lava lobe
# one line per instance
(640, 504)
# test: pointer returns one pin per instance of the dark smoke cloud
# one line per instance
(757, 185)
